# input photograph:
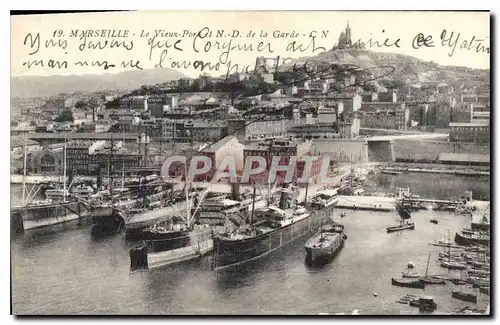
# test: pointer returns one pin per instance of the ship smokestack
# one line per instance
(284, 204)
(235, 190)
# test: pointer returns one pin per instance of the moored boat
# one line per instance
(481, 221)
(484, 289)
(453, 265)
(267, 230)
(47, 213)
(59, 208)
(403, 226)
(173, 240)
(470, 297)
(424, 303)
(404, 213)
(408, 283)
(430, 279)
(176, 246)
(325, 199)
(475, 238)
(322, 247)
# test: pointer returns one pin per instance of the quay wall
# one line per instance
(381, 151)
(424, 150)
(342, 150)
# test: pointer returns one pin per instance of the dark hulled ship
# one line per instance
(268, 229)
(173, 240)
(405, 223)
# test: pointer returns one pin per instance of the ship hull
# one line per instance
(34, 217)
(400, 228)
(231, 253)
(480, 226)
(323, 255)
(157, 253)
(415, 284)
(103, 211)
(109, 221)
(466, 241)
(135, 223)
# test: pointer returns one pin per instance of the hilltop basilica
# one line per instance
(345, 41)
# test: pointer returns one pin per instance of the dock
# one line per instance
(372, 203)
(457, 172)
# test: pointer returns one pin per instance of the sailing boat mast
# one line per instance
(188, 207)
(24, 173)
(427, 268)
(64, 176)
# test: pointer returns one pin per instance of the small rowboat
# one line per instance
(453, 265)
(464, 296)
(408, 283)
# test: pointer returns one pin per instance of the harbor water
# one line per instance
(69, 272)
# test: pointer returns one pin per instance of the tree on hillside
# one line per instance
(80, 104)
(65, 116)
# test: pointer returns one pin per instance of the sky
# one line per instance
(465, 26)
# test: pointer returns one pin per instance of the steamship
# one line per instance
(268, 229)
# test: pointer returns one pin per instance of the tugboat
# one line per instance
(322, 247)
(404, 213)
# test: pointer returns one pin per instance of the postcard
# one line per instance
(250, 163)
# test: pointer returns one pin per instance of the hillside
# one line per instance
(407, 68)
(40, 86)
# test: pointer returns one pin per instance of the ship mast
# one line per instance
(110, 180)
(64, 176)
(305, 198)
(123, 163)
(253, 205)
(186, 192)
(24, 172)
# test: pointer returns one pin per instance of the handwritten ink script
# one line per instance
(208, 49)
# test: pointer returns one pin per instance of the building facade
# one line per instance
(47, 160)
(470, 132)
(385, 115)
(350, 102)
(258, 129)
(284, 150)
